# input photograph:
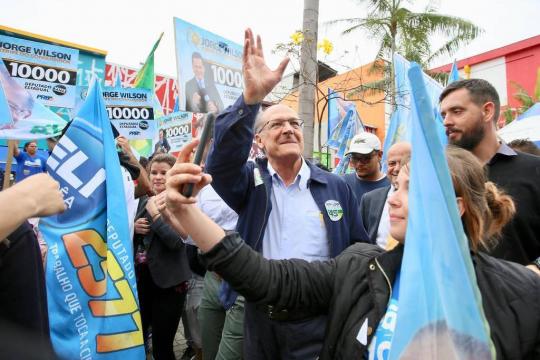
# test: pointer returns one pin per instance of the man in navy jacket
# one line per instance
(287, 207)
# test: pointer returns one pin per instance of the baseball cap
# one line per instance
(364, 143)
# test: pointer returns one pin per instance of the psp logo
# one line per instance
(44, 97)
(135, 133)
(59, 90)
(143, 125)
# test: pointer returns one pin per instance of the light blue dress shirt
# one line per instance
(295, 226)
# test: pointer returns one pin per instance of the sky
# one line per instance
(127, 29)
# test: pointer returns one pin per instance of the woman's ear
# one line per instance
(460, 205)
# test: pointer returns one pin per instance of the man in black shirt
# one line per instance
(470, 109)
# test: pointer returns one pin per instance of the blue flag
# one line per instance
(333, 112)
(340, 112)
(21, 116)
(454, 73)
(439, 302)
(400, 120)
(349, 126)
(90, 276)
(118, 81)
(176, 104)
(5, 111)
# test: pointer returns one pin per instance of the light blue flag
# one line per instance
(90, 276)
(439, 301)
(6, 120)
(118, 81)
(21, 116)
(454, 73)
(333, 112)
(176, 104)
(339, 113)
(400, 121)
(352, 125)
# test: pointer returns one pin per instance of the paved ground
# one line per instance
(179, 344)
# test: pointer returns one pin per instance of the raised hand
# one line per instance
(259, 80)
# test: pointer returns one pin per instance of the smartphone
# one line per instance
(205, 138)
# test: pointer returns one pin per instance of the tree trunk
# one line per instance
(308, 73)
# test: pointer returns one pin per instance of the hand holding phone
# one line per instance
(205, 138)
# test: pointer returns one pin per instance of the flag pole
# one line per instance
(9, 161)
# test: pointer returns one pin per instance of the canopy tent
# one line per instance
(526, 126)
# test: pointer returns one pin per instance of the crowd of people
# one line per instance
(276, 258)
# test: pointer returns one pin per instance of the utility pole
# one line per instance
(308, 73)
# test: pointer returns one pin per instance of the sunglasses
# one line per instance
(364, 159)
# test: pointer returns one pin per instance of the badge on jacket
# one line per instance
(257, 177)
(334, 210)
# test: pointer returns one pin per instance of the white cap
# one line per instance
(364, 143)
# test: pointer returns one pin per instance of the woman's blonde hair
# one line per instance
(487, 208)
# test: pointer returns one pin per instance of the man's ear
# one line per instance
(258, 141)
(488, 111)
(460, 205)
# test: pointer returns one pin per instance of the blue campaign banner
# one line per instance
(176, 130)
(209, 69)
(21, 117)
(131, 111)
(48, 72)
(440, 311)
(90, 276)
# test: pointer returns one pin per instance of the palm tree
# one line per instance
(398, 29)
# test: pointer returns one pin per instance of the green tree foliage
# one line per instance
(398, 29)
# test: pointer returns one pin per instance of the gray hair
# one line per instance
(259, 121)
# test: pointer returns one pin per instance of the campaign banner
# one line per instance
(48, 72)
(90, 275)
(175, 130)
(131, 112)
(209, 69)
(21, 117)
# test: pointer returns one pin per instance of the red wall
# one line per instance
(522, 67)
(165, 87)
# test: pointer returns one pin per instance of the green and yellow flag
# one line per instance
(145, 77)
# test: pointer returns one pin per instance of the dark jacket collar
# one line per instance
(390, 262)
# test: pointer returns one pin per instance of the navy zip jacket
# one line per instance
(247, 186)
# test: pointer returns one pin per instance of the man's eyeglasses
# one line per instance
(363, 159)
(296, 124)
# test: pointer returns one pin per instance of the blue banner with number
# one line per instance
(176, 130)
(131, 112)
(48, 72)
(90, 276)
(209, 69)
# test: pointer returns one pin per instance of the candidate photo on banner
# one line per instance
(209, 69)
(22, 117)
(47, 72)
